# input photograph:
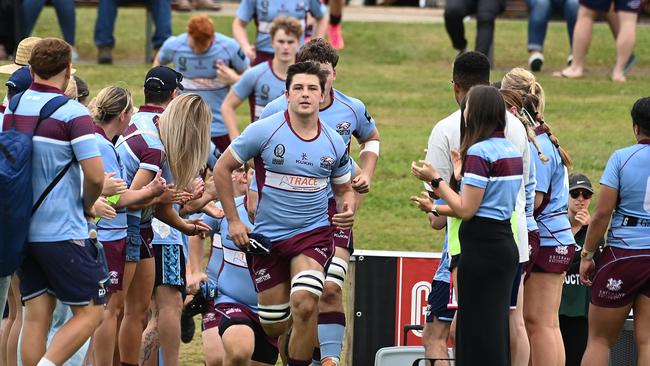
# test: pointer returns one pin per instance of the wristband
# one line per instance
(585, 254)
(434, 211)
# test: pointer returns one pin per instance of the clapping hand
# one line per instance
(426, 172)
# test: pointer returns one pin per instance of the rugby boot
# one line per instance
(335, 36)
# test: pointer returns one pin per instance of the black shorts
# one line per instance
(633, 6)
(437, 303)
(515, 287)
(266, 349)
(170, 266)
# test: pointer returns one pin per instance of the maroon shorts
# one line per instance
(621, 275)
(116, 258)
(533, 252)
(221, 142)
(146, 248)
(274, 269)
(210, 318)
(262, 57)
(341, 238)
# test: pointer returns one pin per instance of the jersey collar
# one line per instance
(331, 103)
(644, 142)
(101, 131)
(288, 119)
(44, 88)
(498, 134)
(151, 108)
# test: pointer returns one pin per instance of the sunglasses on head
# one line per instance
(579, 192)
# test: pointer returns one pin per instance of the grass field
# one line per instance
(402, 73)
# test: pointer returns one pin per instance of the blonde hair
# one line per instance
(290, 26)
(109, 103)
(71, 90)
(525, 82)
(515, 99)
(185, 134)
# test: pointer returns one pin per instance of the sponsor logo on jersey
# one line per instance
(262, 275)
(304, 160)
(614, 285)
(265, 90)
(327, 162)
(295, 183)
(343, 128)
(300, 6)
(279, 154)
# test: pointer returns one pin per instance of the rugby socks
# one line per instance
(316, 357)
(292, 362)
(335, 19)
(331, 329)
(45, 362)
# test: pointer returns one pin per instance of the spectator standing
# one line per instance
(539, 12)
(620, 281)
(65, 13)
(161, 11)
(486, 12)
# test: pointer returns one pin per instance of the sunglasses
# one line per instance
(578, 192)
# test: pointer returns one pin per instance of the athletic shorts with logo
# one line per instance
(74, 271)
(548, 259)
(621, 275)
(437, 303)
(115, 258)
(342, 238)
(170, 266)
(274, 269)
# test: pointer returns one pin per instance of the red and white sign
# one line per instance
(414, 277)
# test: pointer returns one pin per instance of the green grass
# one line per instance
(402, 73)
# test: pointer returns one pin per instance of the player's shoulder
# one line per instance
(333, 136)
(176, 41)
(353, 103)
(225, 41)
(72, 109)
(269, 123)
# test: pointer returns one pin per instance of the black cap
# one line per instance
(163, 78)
(579, 181)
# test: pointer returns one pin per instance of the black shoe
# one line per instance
(105, 55)
(187, 327)
(536, 61)
(196, 306)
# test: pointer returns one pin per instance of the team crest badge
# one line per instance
(614, 285)
(562, 250)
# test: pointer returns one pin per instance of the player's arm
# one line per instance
(197, 246)
(319, 11)
(344, 196)
(241, 36)
(228, 111)
(369, 155)
(226, 164)
(93, 181)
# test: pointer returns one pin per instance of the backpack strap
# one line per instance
(48, 109)
(13, 104)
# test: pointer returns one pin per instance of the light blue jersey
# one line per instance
(442, 273)
(531, 224)
(227, 266)
(200, 71)
(293, 175)
(552, 180)
(346, 115)
(67, 135)
(496, 166)
(115, 229)
(263, 12)
(260, 84)
(164, 234)
(140, 147)
(628, 172)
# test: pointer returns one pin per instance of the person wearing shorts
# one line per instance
(297, 158)
(210, 63)
(627, 13)
(232, 333)
(111, 112)
(263, 13)
(58, 233)
(349, 117)
(264, 83)
(620, 281)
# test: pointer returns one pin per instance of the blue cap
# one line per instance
(19, 81)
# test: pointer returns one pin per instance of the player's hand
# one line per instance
(583, 217)
(587, 270)
(197, 189)
(225, 74)
(103, 209)
(195, 227)
(426, 172)
(344, 219)
(211, 188)
(194, 281)
(361, 183)
(457, 163)
(157, 186)
(213, 211)
(423, 202)
(113, 186)
(172, 195)
(250, 52)
(238, 233)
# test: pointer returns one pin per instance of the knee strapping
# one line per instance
(272, 314)
(310, 280)
(337, 271)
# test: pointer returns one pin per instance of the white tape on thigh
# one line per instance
(337, 271)
(311, 281)
(270, 314)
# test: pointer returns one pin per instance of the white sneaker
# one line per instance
(536, 60)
